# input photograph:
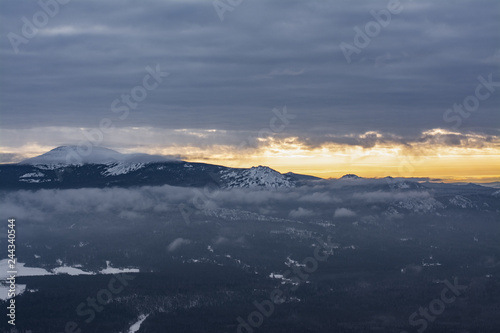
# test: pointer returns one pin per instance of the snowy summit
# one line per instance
(73, 155)
(66, 155)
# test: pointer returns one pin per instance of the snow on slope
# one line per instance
(237, 215)
(121, 168)
(113, 270)
(255, 177)
(117, 163)
(71, 155)
(137, 325)
(23, 270)
(462, 202)
(131, 162)
(32, 175)
(420, 205)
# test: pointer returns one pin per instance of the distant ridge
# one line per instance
(62, 156)
(72, 155)
(350, 176)
(103, 167)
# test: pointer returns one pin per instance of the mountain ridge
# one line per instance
(104, 167)
(73, 155)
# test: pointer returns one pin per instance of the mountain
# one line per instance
(65, 155)
(74, 155)
(350, 176)
(260, 176)
(202, 253)
(258, 229)
(65, 167)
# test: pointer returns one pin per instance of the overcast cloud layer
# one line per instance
(230, 74)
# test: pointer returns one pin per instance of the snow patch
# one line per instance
(112, 270)
(32, 175)
(255, 177)
(121, 168)
(420, 205)
(21, 269)
(462, 202)
(137, 325)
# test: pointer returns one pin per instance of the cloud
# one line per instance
(300, 213)
(163, 202)
(319, 197)
(380, 196)
(177, 243)
(343, 212)
(128, 203)
(284, 72)
(233, 147)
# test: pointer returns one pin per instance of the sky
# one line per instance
(377, 88)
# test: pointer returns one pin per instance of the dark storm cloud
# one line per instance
(265, 54)
(430, 138)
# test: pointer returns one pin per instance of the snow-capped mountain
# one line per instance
(72, 155)
(255, 177)
(68, 167)
(350, 176)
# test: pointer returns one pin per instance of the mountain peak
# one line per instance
(67, 155)
(74, 155)
(255, 177)
(350, 176)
